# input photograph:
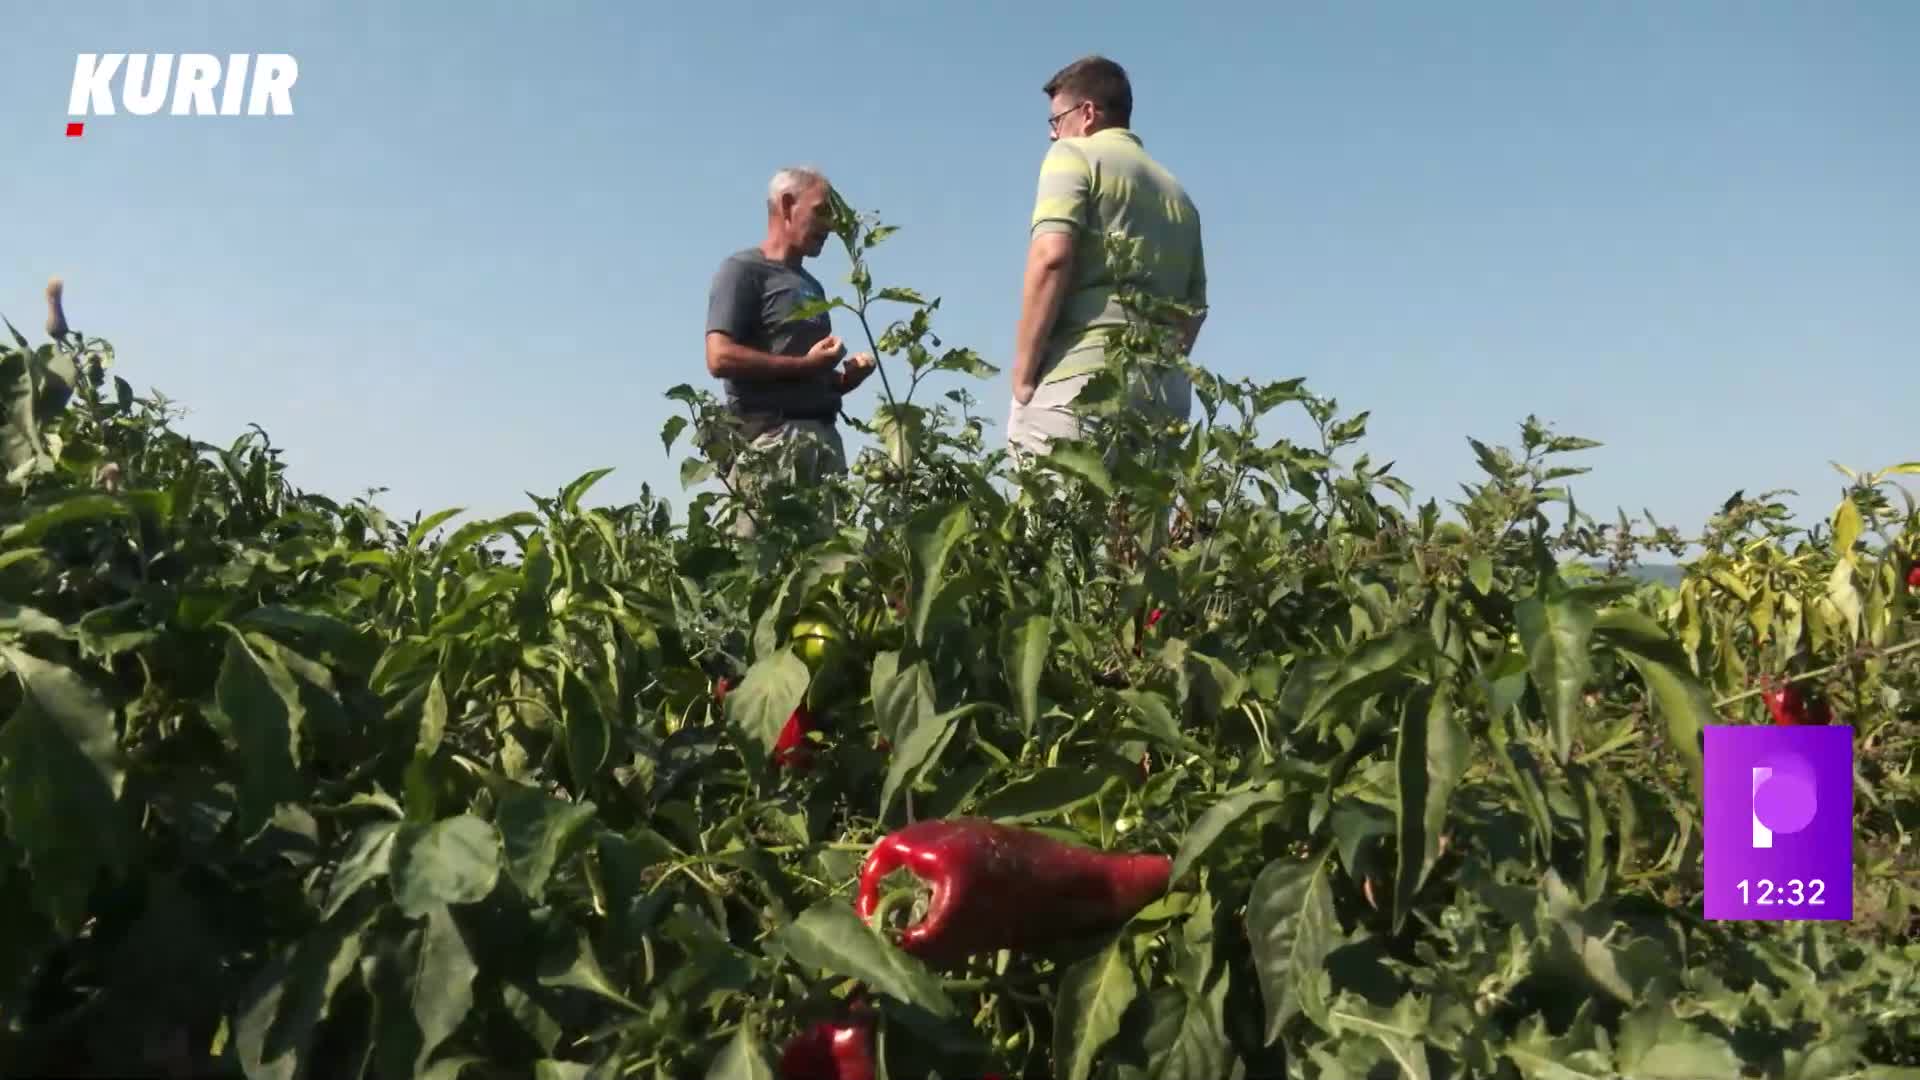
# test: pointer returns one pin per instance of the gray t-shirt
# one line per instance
(750, 300)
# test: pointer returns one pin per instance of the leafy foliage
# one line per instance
(294, 789)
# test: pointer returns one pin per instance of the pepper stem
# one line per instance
(888, 902)
(895, 898)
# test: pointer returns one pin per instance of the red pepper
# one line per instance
(720, 688)
(1790, 707)
(1152, 618)
(791, 748)
(1819, 712)
(1784, 703)
(1913, 577)
(828, 1051)
(998, 887)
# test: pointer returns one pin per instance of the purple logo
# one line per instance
(1779, 822)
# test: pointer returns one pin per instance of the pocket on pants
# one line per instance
(1032, 426)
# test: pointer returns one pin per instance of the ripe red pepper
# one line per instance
(828, 1051)
(1785, 705)
(1790, 707)
(1913, 577)
(998, 887)
(720, 688)
(791, 749)
(1146, 625)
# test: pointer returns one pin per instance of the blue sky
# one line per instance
(476, 257)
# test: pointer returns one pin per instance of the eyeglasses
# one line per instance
(1053, 122)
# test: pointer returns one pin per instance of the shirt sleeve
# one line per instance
(1066, 188)
(733, 302)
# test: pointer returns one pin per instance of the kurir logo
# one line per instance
(150, 82)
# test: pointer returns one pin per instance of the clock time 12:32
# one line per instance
(1792, 893)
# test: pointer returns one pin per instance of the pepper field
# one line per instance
(292, 789)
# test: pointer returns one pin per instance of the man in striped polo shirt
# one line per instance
(1097, 178)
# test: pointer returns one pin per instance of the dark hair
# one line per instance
(1099, 80)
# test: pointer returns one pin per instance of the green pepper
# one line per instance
(815, 640)
(998, 887)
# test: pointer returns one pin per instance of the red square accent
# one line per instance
(74, 130)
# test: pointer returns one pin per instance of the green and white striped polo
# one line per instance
(1097, 184)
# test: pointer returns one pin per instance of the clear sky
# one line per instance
(473, 261)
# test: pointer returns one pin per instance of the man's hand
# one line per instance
(857, 369)
(1023, 392)
(825, 353)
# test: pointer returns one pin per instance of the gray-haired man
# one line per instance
(780, 373)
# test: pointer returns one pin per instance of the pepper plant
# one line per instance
(1226, 755)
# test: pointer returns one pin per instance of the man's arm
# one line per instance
(733, 318)
(728, 359)
(1049, 266)
(1196, 298)
(1060, 211)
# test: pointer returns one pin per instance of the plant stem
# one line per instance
(832, 846)
(1867, 653)
(991, 750)
(885, 384)
(988, 982)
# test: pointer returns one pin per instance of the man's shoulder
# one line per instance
(1126, 153)
(744, 261)
(1074, 151)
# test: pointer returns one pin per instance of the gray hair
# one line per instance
(792, 181)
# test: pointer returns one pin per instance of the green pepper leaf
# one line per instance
(1026, 660)
(1431, 757)
(454, 861)
(1292, 927)
(1555, 626)
(760, 706)
(830, 936)
(61, 776)
(744, 1058)
(1044, 794)
(1094, 995)
(932, 534)
(1220, 817)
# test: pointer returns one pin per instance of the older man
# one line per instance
(1096, 179)
(784, 376)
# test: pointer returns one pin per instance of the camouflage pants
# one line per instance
(798, 452)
